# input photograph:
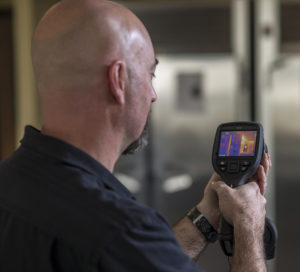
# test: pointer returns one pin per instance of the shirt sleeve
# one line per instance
(148, 245)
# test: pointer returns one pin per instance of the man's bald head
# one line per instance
(76, 40)
(94, 62)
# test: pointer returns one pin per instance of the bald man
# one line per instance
(61, 208)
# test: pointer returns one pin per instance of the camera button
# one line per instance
(222, 163)
(245, 163)
(244, 168)
(233, 167)
(223, 169)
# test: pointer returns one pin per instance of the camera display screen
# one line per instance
(237, 143)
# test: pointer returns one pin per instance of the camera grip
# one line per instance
(226, 237)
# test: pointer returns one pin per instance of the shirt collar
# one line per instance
(67, 153)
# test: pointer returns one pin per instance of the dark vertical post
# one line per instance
(7, 113)
(252, 59)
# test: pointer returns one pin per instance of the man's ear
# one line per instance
(117, 76)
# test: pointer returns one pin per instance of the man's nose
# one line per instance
(154, 96)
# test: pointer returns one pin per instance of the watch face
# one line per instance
(212, 236)
(207, 230)
(204, 225)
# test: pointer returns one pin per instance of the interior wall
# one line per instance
(26, 99)
(26, 14)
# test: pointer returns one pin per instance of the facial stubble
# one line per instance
(140, 143)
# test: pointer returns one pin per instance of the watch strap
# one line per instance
(203, 225)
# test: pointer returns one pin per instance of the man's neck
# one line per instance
(102, 146)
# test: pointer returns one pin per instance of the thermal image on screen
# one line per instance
(237, 143)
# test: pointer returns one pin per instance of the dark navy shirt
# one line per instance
(60, 210)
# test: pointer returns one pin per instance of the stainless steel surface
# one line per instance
(286, 88)
(183, 136)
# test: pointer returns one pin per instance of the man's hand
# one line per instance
(209, 205)
(244, 202)
(190, 239)
(244, 208)
(262, 178)
(243, 205)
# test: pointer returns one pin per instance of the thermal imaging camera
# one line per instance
(237, 152)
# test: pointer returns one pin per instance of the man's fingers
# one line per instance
(270, 161)
(262, 179)
(266, 162)
(219, 187)
(215, 177)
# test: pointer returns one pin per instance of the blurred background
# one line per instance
(220, 61)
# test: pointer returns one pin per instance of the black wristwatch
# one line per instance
(203, 225)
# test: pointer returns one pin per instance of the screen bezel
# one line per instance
(232, 129)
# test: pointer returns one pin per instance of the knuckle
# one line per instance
(252, 184)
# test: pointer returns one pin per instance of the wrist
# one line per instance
(212, 215)
(250, 225)
(253, 231)
(202, 224)
(251, 241)
(249, 254)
